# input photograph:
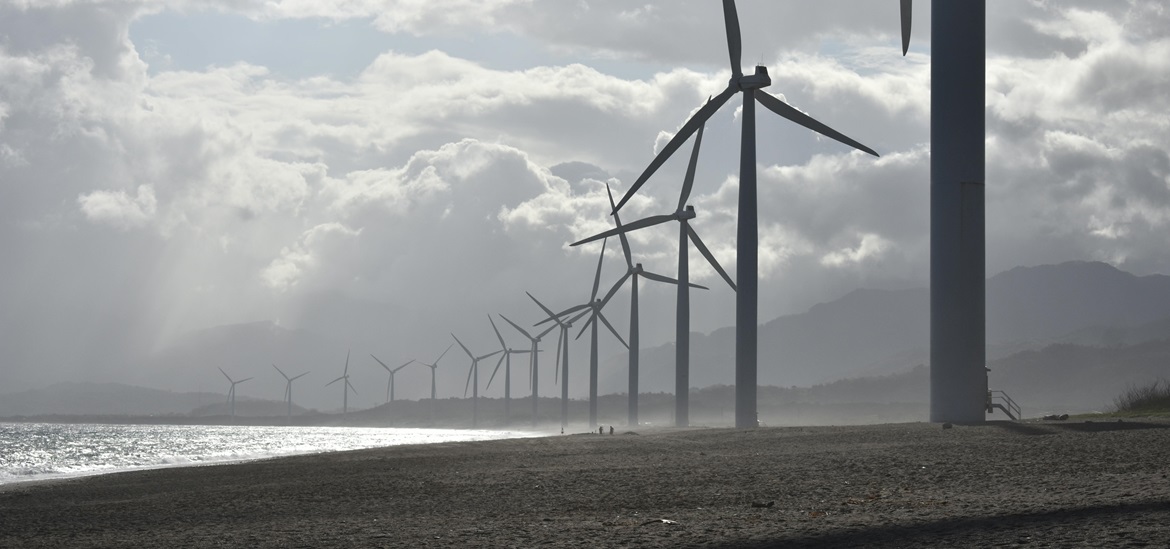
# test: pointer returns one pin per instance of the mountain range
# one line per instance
(1067, 335)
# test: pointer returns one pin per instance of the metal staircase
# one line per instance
(1001, 400)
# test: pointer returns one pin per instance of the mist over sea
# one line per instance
(41, 451)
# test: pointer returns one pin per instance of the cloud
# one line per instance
(118, 208)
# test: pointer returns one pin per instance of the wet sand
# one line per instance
(1067, 484)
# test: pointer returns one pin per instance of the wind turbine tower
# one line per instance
(958, 272)
(473, 372)
(346, 387)
(391, 371)
(288, 387)
(506, 360)
(534, 361)
(232, 391)
(434, 366)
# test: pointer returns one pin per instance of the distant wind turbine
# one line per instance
(683, 214)
(506, 360)
(345, 387)
(534, 362)
(593, 307)
(747, 236)
(390, 384)
(632, 273)
(288, 387)
(562, 355)
(232, 391)
(473, 372)
(434, 366)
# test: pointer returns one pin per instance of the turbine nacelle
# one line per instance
(686, 213)
(754, 81)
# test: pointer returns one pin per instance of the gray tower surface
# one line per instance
(958, 378)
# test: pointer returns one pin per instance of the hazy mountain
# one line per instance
(103, 399)
(869, 332)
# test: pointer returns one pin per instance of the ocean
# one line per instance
(40, 451)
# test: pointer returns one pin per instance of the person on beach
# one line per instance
(611, 429)
(601, 430)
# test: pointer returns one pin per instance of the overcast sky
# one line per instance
(392, 171)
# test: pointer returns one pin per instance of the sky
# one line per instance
(386, 172)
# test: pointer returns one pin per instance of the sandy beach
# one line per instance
(1060, 484)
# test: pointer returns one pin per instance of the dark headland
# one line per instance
(1075, 483)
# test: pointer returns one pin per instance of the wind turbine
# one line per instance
(288, 387)
(232, 391)
(958, 271)
(683, 214)
(562, 355)
(473, 372)
(632, 273)
(593, 307)
(390, 384)
(345, 387)
(506, 359)
(747, 234)
(534, 360)
(434, 366)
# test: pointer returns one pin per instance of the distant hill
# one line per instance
(870, 332)
(102, 399)
(116, 399)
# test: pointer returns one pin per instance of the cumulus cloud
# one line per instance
(118, 208)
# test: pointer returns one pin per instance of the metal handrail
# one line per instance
(1010, 405)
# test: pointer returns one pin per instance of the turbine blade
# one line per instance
(710, 258)
(551, 315)
(498, 363)
(623, 229)
(689, 180)
(611, 330)
(489, 355)
(471, 356)
(503, 345)
(294, 378)
(408, 363)
(542, 334)
(346, 361)
(435, 364)
(660, 278)
(281, 372)
(335, 381)
(734, 42)
(556, 316)
(597, 277)
(350, 385)
(592, 318)
(613, 290)
(225, 374)
(618, 221)
(387, 368)
(517, 326)
(679, 138)
(243, 380)
(787, 111)
(578, 317)
(907, 14)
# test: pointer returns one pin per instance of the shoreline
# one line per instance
(168, 460)
(894, 485)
